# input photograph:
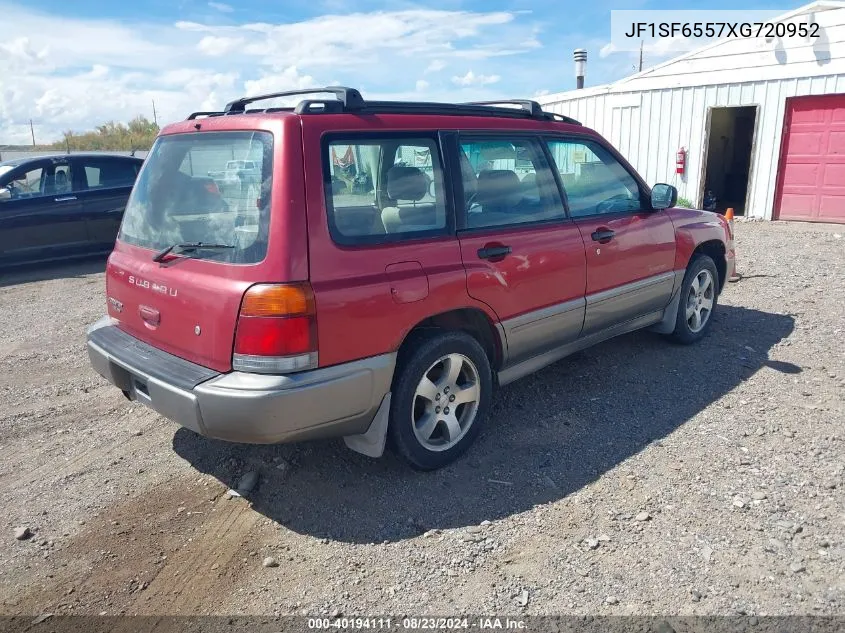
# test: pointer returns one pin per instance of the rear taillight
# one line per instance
(277, 330)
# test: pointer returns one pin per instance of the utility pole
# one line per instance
(32, 131)
(155, 116)
(641, 55)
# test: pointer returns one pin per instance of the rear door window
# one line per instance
(380, 190)
(209, 187)
(106, 174)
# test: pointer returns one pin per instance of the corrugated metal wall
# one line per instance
(651, 115)
(649, 127)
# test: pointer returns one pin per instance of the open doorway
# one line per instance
(727, 161)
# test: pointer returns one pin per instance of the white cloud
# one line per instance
(471, 79)
(435, 66)
(221, 6)
(21, 50)
(214, 46)
(75, 73)
(288, 79)
(607, 49)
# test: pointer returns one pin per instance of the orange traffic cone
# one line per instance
(733, 275)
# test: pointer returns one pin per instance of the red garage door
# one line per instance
(812, 161)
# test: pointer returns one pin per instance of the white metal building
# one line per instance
(762, 122)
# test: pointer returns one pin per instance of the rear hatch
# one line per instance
(215, 217)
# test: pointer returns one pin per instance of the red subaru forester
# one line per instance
(373, 269)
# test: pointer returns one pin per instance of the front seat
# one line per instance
(408, 184)
(499, 191)
(62, 182)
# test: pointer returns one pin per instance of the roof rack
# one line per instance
(532, 107)
(350, 100)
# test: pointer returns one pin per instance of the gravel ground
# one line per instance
(636, 477)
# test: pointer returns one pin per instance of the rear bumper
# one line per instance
(241, 407)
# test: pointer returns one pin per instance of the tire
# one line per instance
(425, 427)
(699, 290)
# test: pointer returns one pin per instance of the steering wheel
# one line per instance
(609, 205)
(471, 200)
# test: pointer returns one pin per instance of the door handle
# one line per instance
(603, 235)
(494, 252)
(65, 199)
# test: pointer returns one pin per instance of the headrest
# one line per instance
(406, 183)
(499, 187)
(468, 176)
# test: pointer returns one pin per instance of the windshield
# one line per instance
(185, 195)
(5, 169)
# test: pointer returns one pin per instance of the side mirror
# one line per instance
(663, 196)
(5, 194)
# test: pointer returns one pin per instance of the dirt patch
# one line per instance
(636, 477)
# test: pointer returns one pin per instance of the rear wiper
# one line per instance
(186, 246)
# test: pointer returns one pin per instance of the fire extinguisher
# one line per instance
(680, 161)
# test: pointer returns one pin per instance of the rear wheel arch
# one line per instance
(473, 321)
(715, 250)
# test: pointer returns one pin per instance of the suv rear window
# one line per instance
(188, 192)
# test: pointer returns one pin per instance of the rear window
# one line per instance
(109, 173)
(188, 192)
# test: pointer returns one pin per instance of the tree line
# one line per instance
(138, 134)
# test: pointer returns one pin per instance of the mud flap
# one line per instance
(666, 325)
(372, 442)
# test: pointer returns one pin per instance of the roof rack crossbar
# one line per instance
(349, 97)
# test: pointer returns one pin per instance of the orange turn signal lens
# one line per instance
(265, 300)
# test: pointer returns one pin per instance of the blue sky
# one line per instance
(74, 65)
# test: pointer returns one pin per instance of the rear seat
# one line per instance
(408, 184)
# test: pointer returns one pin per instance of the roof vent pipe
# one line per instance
(580, 56)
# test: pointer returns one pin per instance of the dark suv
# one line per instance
(56, 207)
(385, 266)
